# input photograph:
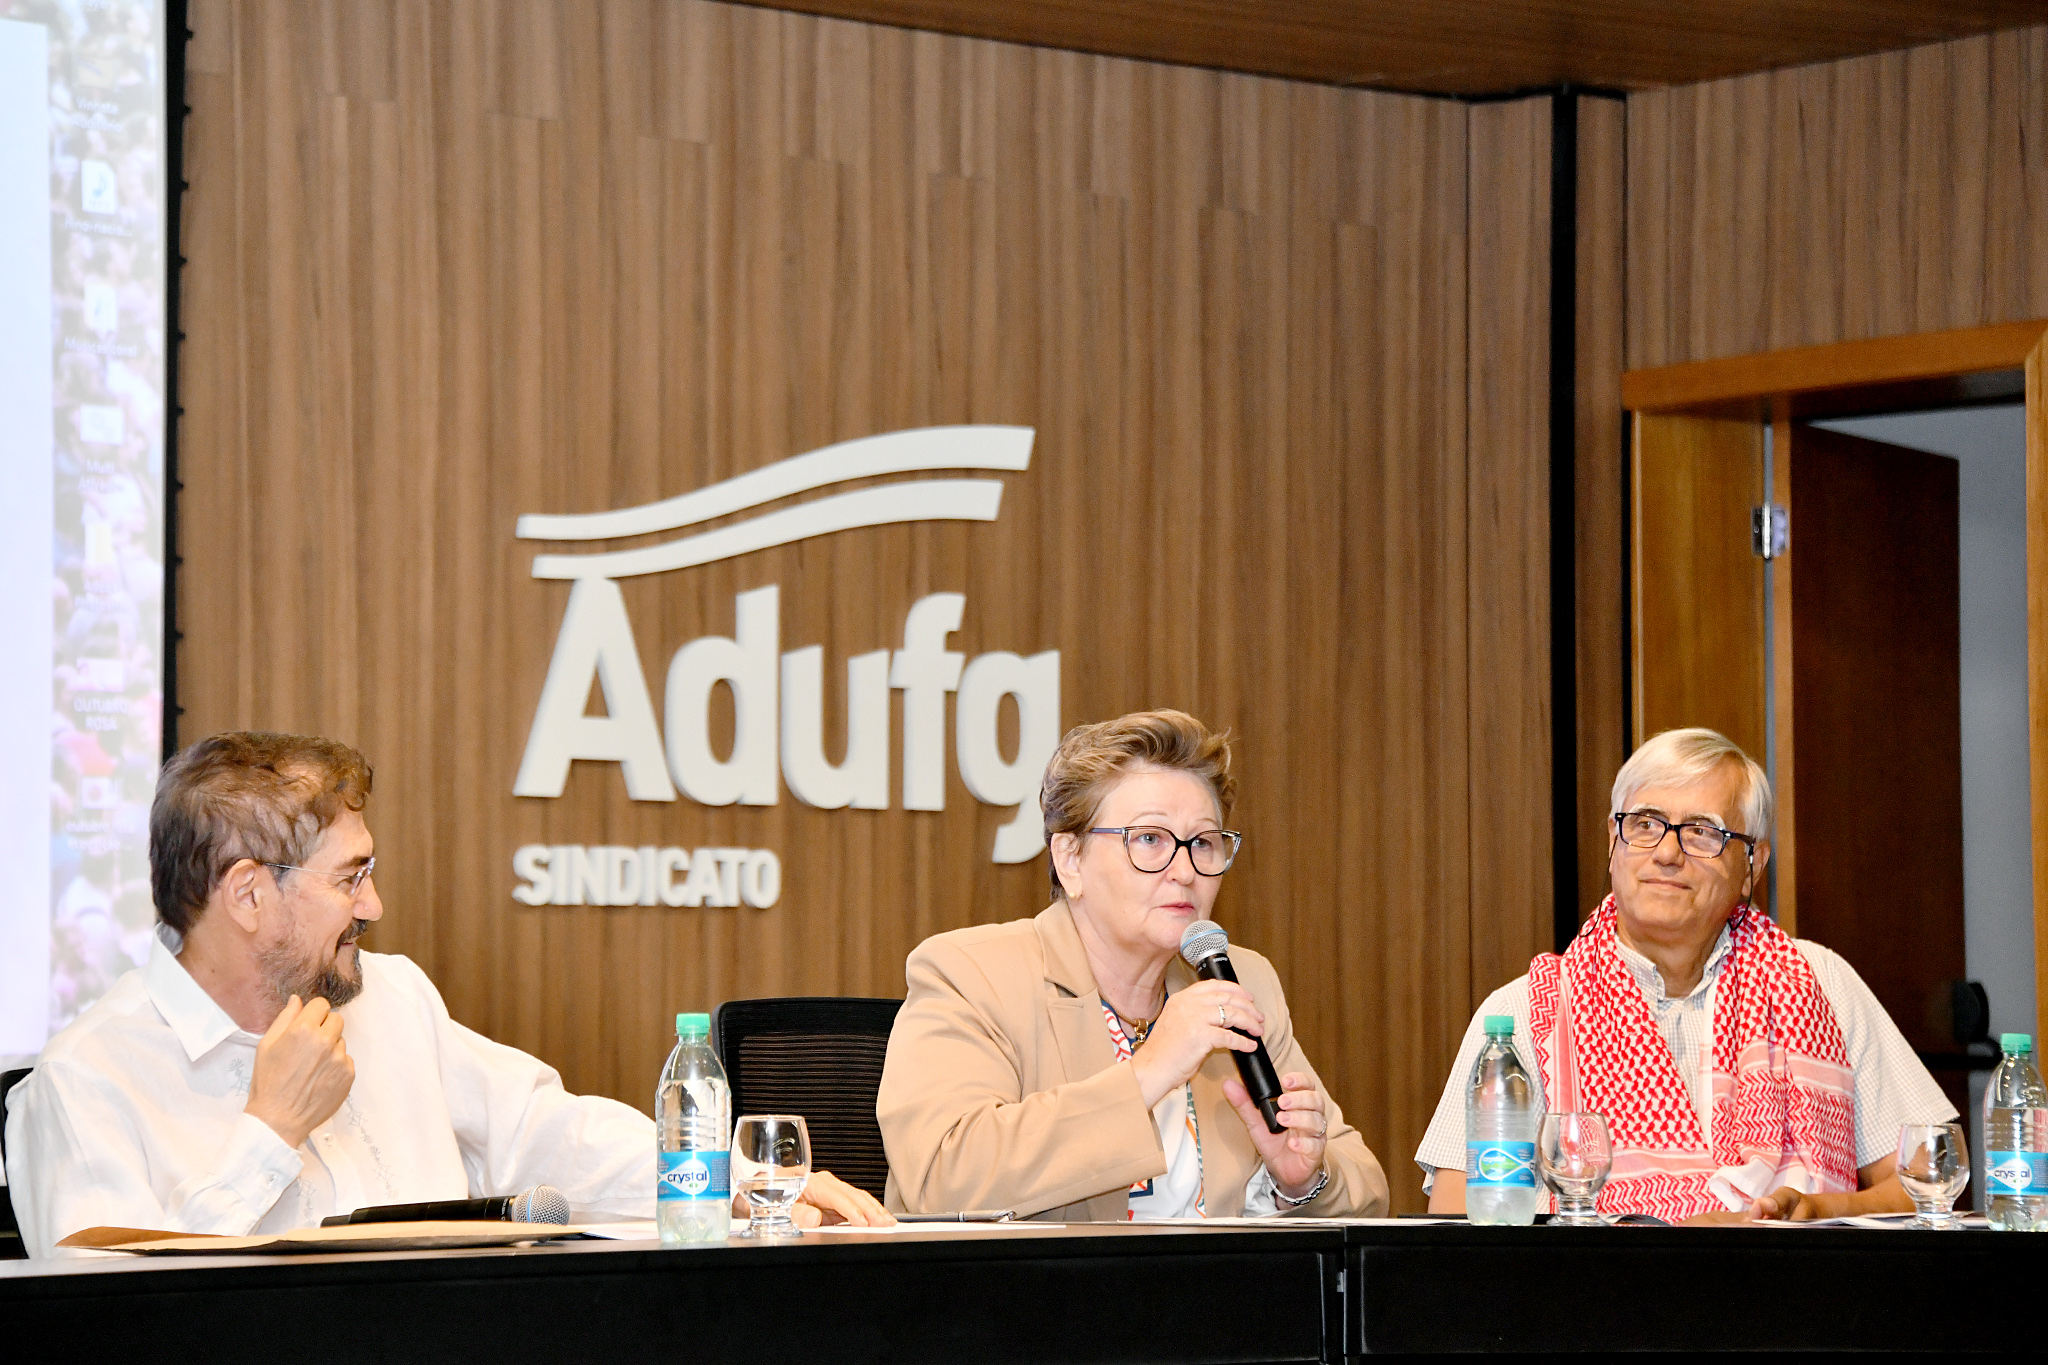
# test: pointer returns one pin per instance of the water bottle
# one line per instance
(692, 1138)
(2016, 1140)
(1500, 1132)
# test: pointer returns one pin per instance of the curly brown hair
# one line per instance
(244, 794)
(1092, 757)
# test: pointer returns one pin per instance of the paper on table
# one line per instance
(1882, 1222)
(641, 1230)
(938, 1227)
(301, 1241)
(1271, 1222)
(646, 1231)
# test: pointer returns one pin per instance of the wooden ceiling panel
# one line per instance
(1460, 47)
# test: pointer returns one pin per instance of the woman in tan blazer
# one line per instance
(1070, 1067)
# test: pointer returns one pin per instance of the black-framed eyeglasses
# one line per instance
(1640, 829)
(1152, 849)
(353, 881)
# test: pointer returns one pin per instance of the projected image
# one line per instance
(102, 509)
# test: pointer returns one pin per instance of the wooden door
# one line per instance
(1875, 674)
(1697, 587)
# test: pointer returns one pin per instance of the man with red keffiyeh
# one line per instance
(1744, 1074)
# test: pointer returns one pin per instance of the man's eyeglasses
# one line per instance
(1152, 849)
(1640, 829)
(352, 881)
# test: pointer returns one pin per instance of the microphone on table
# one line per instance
(1206, 948)
(541, 1204)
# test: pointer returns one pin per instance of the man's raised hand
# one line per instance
(303, 1071)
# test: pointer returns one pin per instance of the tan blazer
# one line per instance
(1002, 1090)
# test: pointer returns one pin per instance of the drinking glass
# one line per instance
(1934, 1165)
(771, 1161)
(1574, 1153)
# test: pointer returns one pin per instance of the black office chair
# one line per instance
(10, 1231)
(817, 1056)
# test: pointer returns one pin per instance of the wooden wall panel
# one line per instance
(1878, 196)
(457, 260)
(1600, 484)
(1508, 483)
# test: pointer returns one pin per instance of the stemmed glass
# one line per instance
(771, 1162)
(1934, 1166)
(1575, 1153)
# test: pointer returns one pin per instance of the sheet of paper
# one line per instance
(639, 1229)
(1882, 1222)
(301, 1241)
(970, 1228)
(643, 1230)
(646, 1231)
(1272, 1222)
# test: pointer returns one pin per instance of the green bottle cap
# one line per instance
(1500, 1025)
(2016, 1042)
(693, 1025)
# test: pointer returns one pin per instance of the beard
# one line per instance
(289, 974)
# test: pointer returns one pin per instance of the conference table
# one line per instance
(1070, 1294)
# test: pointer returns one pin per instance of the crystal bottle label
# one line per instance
(691, 1175)
(1500, 1165)
(2016, 1173)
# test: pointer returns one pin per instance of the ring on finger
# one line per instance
(1223, 1016)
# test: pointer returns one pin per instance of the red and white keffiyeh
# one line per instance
(1783, 1101)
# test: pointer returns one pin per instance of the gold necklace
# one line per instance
(1135, 1030)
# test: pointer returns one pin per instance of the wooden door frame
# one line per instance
(1893, 374)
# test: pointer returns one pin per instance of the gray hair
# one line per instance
(1679, 758)
(244, 794)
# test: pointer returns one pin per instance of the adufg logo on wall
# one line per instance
(778, 695)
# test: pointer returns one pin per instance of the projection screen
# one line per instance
(83, 251)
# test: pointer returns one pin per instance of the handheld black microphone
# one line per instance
(541, 1204)
(1206, 948)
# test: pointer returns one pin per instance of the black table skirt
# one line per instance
(1070, 1295)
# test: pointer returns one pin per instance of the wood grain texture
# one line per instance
(452, 261)
(1509, 473)
(1455, 47)
(1879, 196)
(1897, 367)
(1698, 589)
(1877, 697)
(1601, 508)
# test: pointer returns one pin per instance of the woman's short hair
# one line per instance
(1679, 758)
(1092, 757)
(244, 794)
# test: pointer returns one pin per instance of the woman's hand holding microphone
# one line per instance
(1194, 1024)
(1199, 1020)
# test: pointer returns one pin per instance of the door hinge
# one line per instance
(1770, 530)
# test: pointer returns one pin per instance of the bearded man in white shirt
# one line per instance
(263, 1072)
(1743, 1074)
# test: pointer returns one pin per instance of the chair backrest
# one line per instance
(10, 1237)
(8, 1080)
(818, 1056)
